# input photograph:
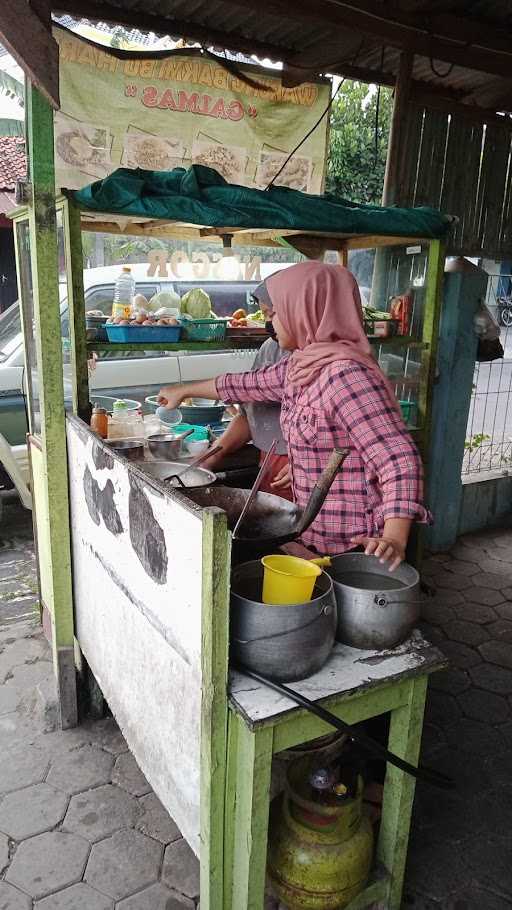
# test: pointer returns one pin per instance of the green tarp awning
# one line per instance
(201, 196)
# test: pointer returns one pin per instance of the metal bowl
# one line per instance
(165, 446)
(132, 449)
(202, 415)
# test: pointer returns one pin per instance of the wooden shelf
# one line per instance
(229, 344)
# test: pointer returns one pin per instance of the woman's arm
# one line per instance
(237, 435)
(255, 385)
(382, 441)
(171, 396)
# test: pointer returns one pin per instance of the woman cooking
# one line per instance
(332, 394)
(259, 422)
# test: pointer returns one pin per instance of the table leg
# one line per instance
(404, 740)
(247, 810)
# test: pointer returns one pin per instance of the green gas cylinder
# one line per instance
(319, 854)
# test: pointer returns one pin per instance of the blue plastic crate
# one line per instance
(138, 334)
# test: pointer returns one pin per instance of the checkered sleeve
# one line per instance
(361, 402)
(256, 385)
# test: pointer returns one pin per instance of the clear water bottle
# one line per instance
(124, 293)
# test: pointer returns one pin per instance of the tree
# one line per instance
(358, 142)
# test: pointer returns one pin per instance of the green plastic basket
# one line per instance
(204, 329)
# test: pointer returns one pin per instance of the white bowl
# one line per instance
(196, 447)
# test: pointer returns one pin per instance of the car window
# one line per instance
(226, 296)
(101, 298)
(10, 328)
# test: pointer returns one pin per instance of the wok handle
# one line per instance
(321, 489)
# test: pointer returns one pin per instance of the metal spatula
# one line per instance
(255, 487)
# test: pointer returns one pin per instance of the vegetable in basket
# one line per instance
(196, 303)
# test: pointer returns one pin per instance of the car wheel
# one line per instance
(505, 316)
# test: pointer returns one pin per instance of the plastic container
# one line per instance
(408, 409)
(99, 421)
(124, 293)
(196, 447)
(95, 328)
(288, 579)
(169, 417)
(105, 401)
(137, 334)
(125, 424)
(204, 329)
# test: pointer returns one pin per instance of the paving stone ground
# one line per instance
(80, 828)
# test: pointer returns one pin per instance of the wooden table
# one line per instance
(354, 685)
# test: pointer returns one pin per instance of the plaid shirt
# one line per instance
(345, 406)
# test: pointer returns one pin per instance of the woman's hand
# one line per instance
(171, 396)
(283, 478)
(385, 548)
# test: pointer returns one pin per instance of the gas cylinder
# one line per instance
(319, 855)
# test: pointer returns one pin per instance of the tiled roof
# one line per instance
(13, 163)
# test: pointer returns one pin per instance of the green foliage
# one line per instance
(356, 164)
(474, 443)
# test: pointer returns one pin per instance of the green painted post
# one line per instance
(251, 810)
(464, 286)
(43, 236)
(214, 703)
(76, 308)
(404, 740)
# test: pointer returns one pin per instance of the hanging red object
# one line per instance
(401, 310)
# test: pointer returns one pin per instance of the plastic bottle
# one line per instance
(99, 421)
(124, 292)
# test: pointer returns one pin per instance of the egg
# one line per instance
(124, 322)
(147, 322)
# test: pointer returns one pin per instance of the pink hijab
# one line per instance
(320, 308)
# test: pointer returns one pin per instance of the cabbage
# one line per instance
(196, 303)
(167, 299)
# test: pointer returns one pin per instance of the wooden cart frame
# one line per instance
(236, 752)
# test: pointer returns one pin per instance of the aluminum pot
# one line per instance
(284, 642)
(377, 609)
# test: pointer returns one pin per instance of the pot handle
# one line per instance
(323, 612)
(381, 600)
(321, 489)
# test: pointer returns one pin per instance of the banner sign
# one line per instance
(180, 109)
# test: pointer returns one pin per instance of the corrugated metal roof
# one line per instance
(310, 34)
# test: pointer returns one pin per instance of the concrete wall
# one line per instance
(486, 504)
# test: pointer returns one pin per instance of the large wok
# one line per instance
(271, 521)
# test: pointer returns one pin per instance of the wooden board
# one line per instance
(137, 579)
(348, 671)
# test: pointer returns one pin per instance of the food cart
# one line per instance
(135, 577)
